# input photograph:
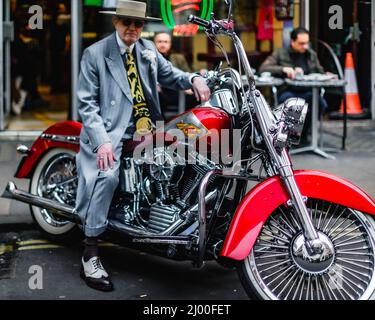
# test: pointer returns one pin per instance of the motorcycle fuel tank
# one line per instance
(199, 123)
(193, 126)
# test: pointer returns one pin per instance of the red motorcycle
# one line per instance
(295, 235)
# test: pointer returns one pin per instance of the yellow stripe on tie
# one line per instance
(38, 247)
(4, 248)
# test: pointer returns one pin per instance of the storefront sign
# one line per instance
(176, 12)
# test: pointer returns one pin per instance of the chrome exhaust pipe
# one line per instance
(61, 209)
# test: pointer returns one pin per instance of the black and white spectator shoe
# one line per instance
(95, 275)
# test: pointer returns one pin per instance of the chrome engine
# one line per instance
(162, 217)
(163, 188)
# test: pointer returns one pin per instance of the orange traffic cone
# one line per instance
(353, 102)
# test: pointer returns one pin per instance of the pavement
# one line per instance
(140, 276)
(12, 211)
(136, 275)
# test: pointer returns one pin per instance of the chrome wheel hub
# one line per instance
(58, 182)
(314, 263)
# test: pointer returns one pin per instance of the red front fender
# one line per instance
(41, 146)
(265, 198)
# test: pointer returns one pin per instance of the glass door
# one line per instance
(40, 65)
(1, 69)
(373, 60)
(6, 36)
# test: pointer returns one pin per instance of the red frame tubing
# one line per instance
(265, 198)
(41, 146)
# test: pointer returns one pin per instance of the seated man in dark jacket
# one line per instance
(298, 59)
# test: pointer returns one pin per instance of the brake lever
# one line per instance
(228, 25)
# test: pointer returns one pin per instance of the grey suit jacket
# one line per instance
(105, 103)
(104, 97)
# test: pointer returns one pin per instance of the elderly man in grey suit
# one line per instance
(117, 97)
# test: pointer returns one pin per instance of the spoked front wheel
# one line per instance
(280, 268)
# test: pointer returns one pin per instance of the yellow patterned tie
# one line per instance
(141, 112)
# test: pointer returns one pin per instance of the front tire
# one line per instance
(273, 271)
(55, 177)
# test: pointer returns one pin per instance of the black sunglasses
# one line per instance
(137, 23)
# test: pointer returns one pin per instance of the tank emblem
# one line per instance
(189, 129)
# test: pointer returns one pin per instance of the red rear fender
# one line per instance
(42, 145)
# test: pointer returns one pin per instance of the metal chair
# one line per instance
(341, 76)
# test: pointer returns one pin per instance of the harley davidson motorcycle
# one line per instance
(295, 235)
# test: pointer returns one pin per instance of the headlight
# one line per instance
(290, 119)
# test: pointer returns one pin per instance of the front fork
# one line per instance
(313, 243)
(284, 166)
(281, 161)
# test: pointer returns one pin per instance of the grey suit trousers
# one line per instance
(104, 189)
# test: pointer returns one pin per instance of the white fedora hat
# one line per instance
(131, 9)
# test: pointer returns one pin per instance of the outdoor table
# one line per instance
(269, 82)
(315, 85)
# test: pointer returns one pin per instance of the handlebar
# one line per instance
(199, 21)
(215, 26)
(226, 27)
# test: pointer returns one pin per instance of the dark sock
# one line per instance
(91, 248)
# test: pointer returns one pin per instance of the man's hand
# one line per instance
(299, 72)
(201, 90)
(105, 157)
(290, 72)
